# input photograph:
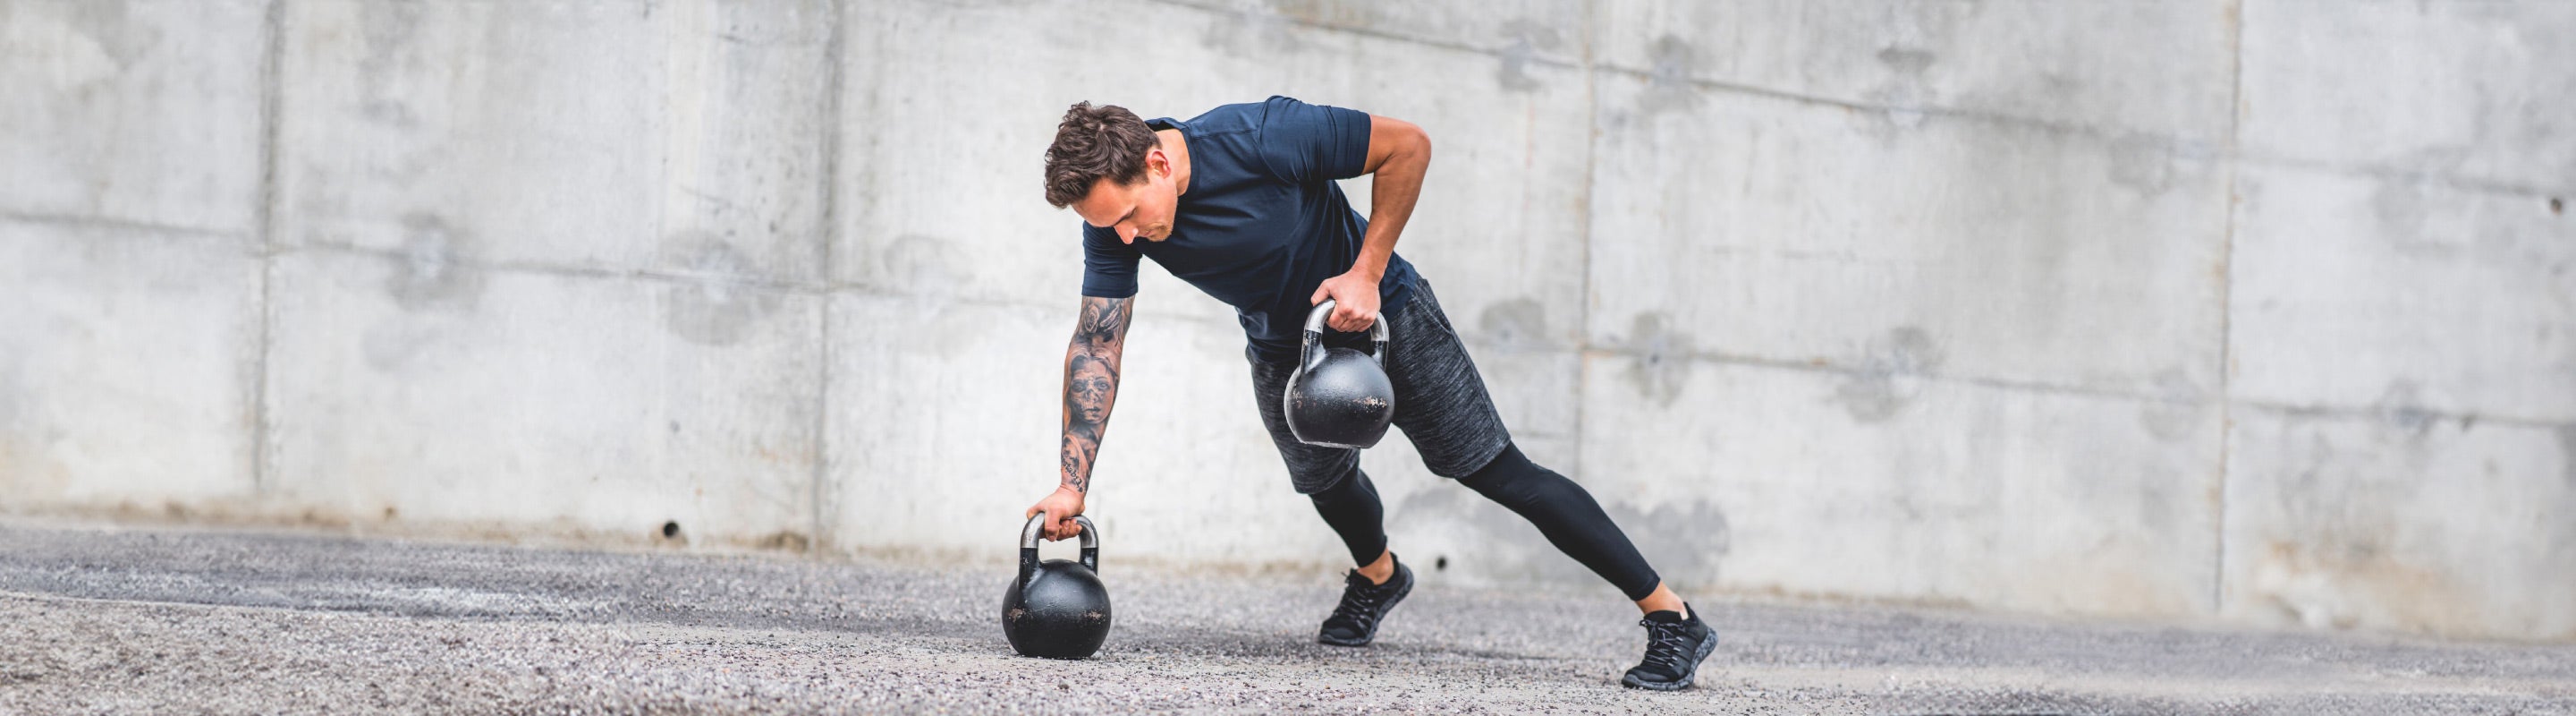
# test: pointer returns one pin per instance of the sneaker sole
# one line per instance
(1400, 594)
(1705, 648)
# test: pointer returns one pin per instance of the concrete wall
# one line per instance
(2249, 309)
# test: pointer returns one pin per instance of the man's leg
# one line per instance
(1351, 506)
(1568, 516)
(1349, 503)
(1443, 408)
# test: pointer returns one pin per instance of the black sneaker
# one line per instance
(1674, 648)
(1354, 623)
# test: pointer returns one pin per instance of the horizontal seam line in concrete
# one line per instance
(1724, 86)
(1835, 368)
(577, 271)
(2380, 414)
(809, 288)
(2195, 148)
(1368, 32)
(2111, 134)
(826, 289)
(75, 221)
(2384, 172)
(2365, 413)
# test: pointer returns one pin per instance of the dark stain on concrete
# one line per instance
(717, 306)
(2176, 408)
(392, 31)
(786, 541)
(1907, 60)
(1889, 374)
(11, 388)
(2400, 208)
(1517, 323)
(1524, 39)
(1661, 358)
(1335, 13)
(2567, 454)
(1905, 92)
(923, 266)
(1685, 542)
(2402, 409)
(1253, 29)
(430, 271)
(389, 112)
(109, 26)
(2142, 165)
(392, 346)
(1670, 82)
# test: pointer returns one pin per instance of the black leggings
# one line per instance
(1561, 510)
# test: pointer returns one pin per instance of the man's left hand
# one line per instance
(1354, 297)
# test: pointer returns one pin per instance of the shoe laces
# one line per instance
(1667, 643)
(1360, 598)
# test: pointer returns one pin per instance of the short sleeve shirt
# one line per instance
(1262, 223)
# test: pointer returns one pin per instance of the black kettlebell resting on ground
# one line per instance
(1057, 609)
(1340, 397)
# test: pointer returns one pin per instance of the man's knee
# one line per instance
(1312, 470)
(1511, 479)
(1351, 483)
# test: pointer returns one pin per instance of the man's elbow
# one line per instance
(1393, 139)
(1413, 140)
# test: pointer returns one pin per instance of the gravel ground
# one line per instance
(128, 620)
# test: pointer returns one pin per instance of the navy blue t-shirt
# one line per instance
(1261, 224)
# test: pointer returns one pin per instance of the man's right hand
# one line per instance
(1060, 507)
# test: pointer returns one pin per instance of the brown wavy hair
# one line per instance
(1092, 143)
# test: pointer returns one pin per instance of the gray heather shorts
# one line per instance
(1440, 402)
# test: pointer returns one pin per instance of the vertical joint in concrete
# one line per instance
(830, 234)
(2235, 17)
(1591, 175)
(263, 225)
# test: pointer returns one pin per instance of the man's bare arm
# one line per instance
(1091, 384)
(1399, 154)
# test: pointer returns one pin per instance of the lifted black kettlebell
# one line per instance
(1058, 609)
(1339, 397)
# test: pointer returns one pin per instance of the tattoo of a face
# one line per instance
(1089, 390)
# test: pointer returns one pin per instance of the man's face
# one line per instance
(1143, 209)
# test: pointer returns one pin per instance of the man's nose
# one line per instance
(1127, 234)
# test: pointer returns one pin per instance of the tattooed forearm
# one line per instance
(1104, 324)
(1091, 384)
(1077, 462)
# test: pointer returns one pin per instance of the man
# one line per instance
(1241, 203)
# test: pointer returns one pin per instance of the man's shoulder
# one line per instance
(1231, 118)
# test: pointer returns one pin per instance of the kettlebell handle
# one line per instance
(1309, 354)
(1037, 528)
